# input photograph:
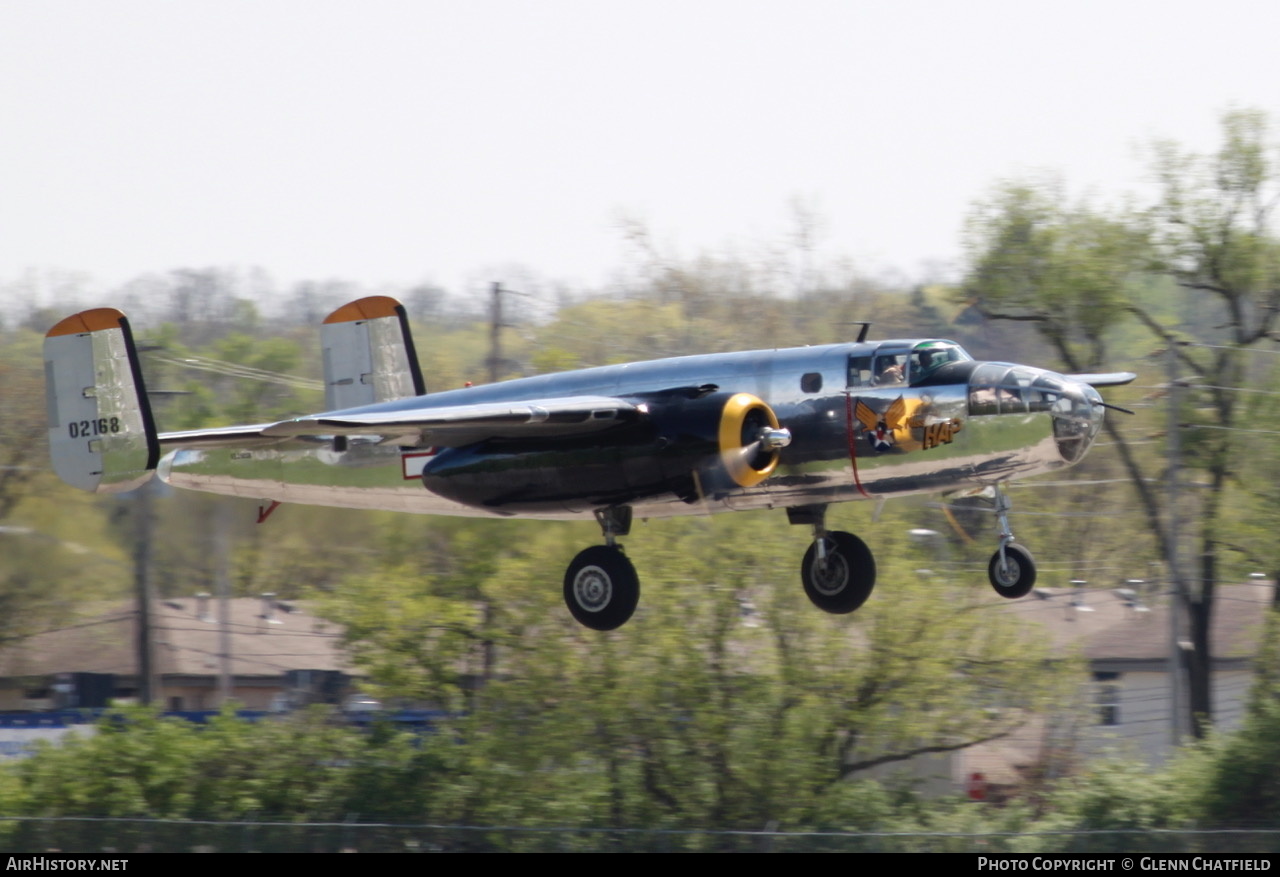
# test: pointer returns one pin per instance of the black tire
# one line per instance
(601, 588)
(1018, 578)
(844, 581)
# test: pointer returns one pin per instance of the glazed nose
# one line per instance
(1076, 420)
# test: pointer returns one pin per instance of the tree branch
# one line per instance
(1017, 318)
(851, 768)
(1163, 333)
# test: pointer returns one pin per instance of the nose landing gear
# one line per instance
(1012, 570)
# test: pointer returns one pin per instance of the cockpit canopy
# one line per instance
(904, 362)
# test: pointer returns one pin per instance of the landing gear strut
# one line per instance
(838, 570)
(1012, 570)
(601, 587)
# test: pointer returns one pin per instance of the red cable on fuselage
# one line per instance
(853, 438)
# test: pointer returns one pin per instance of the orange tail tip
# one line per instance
(92, 320)
(369, 308)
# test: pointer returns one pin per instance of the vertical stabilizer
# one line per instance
(101, 435)
(368, 354)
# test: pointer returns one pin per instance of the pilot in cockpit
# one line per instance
(929, 356)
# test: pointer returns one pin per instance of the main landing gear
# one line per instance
(838, 571)
(1012, 570)
(601, 587)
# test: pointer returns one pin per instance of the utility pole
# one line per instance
(1176, 590)
(495, 364)
(222, 546)
(496, 325)
(144, 532)
(144, 525)
(495, 332)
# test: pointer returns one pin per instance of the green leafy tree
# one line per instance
(300, 768)
(22, 418)
(1243, 788)
(1066, 269)
(726, 702)
(1215, 228)
(1076, 272)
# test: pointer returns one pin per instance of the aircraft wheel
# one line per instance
(842, 582)
(1018, 575)
(601, 588)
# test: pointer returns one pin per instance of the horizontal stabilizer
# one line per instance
(457, 425)
(101, 435)
(218, 437)
(1109, 379)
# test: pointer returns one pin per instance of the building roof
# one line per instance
(267, 639)
(1105, 626)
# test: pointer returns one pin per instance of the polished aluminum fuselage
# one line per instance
(938, 445)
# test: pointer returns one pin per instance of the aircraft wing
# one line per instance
(1109, 379)
(457, 425)
(220, 437)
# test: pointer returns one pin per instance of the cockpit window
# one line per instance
(890, 368)
(859, 371)
(896, 363)
(1045, 393)
(929, 356)
(1011, 400)
(998, 388)
(1015, 393)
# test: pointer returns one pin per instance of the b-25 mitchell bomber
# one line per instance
(796, 429)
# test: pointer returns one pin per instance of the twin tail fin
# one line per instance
(102, 437)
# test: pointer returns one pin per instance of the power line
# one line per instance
(1234, 389)
(1071, 483)
(234, 370)
(1104, 514)
(1130, 444)
(253, 629)
(1201, 345)
(1230, 428)
(129, 613)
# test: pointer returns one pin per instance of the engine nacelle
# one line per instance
(691, 447)
(729, 440)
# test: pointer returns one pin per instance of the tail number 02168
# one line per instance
(91, 428)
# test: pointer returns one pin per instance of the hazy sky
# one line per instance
(405, 141)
